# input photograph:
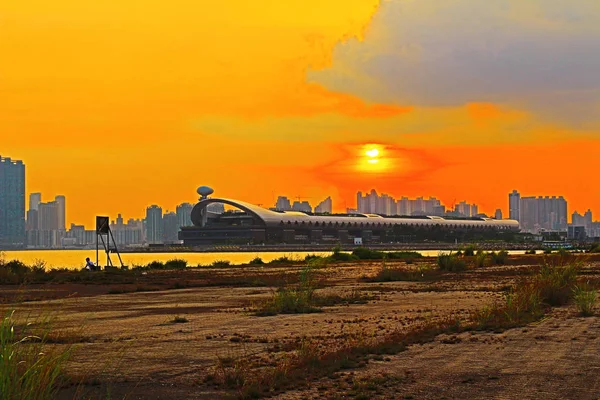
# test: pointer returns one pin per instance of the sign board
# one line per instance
(102, 226)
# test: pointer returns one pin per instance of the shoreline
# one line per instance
(301, 248)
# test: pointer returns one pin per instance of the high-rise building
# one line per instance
(154, 224)
(48, 216)
(326, 206)
(12, 202)
(465, 209)
(184, 213)
(34, 200)
(498, 214)
(170, 227)
(283, 204)
(62, 212)
(543, 213)
(303, 206)
(514, 205)
(584, 221)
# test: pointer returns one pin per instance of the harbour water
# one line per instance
(75, 259)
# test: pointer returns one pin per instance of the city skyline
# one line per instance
(453, 95)
(338, 206)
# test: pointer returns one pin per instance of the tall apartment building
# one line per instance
(326, 206)
(48, 216)
(283, 204)
(34, 200)
(514, 205)
(127, 234)
(184, 214)
(12, 202)
(372, 203)
(171, 227)
(585, 221)
(543, 213)
(498, 214)
(303, 206)
(32, 214)
(62, 212)
(154, 224)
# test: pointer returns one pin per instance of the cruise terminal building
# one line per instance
(250, 224)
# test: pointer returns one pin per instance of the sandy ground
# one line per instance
(128, 346)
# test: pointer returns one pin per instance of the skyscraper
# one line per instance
(170, 227)
(325, 206)
(514, 205)
(283, 204)
(543, 213)
(62, 212)
(34, 200)
(12, 202)
(48, 216)
(302, 206)
(184, 214)
(498, 214)
(154, 224)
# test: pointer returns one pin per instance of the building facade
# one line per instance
(12, 202)
(256, 225)
(154, 225)
(514, 205)
(324, 207)
(543, 214)
(184, 211)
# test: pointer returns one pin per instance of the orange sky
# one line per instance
(123, 104)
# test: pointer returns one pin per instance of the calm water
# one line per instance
(76, 258)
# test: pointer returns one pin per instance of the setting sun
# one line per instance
(372, 153)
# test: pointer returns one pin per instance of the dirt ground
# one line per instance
(127, 343)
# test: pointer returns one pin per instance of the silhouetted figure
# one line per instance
(89, 265)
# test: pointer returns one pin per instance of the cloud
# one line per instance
(538, 55)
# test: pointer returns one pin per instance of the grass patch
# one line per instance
(295, 300)
(499, 258)
(451, 262)
(480, 259)
(220, 264)
(363, 253)
(302, 299)
(469, 251)
(28, 369)
(585, 299)
(311, 360)
(256, 261)
(419, 274)
(552, 285)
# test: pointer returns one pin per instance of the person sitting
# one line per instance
(89, 265)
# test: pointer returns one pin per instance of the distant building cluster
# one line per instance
(284, 204)
(538, 214)
(44, 224)
(372, 203)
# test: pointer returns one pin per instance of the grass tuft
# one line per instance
(451, 262)
(585, 299)
(28, 369)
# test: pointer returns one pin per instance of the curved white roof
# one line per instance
(272, 218)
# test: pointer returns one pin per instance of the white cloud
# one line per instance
(542, 55)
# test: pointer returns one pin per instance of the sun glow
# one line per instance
(372, 153)
(373, 159)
